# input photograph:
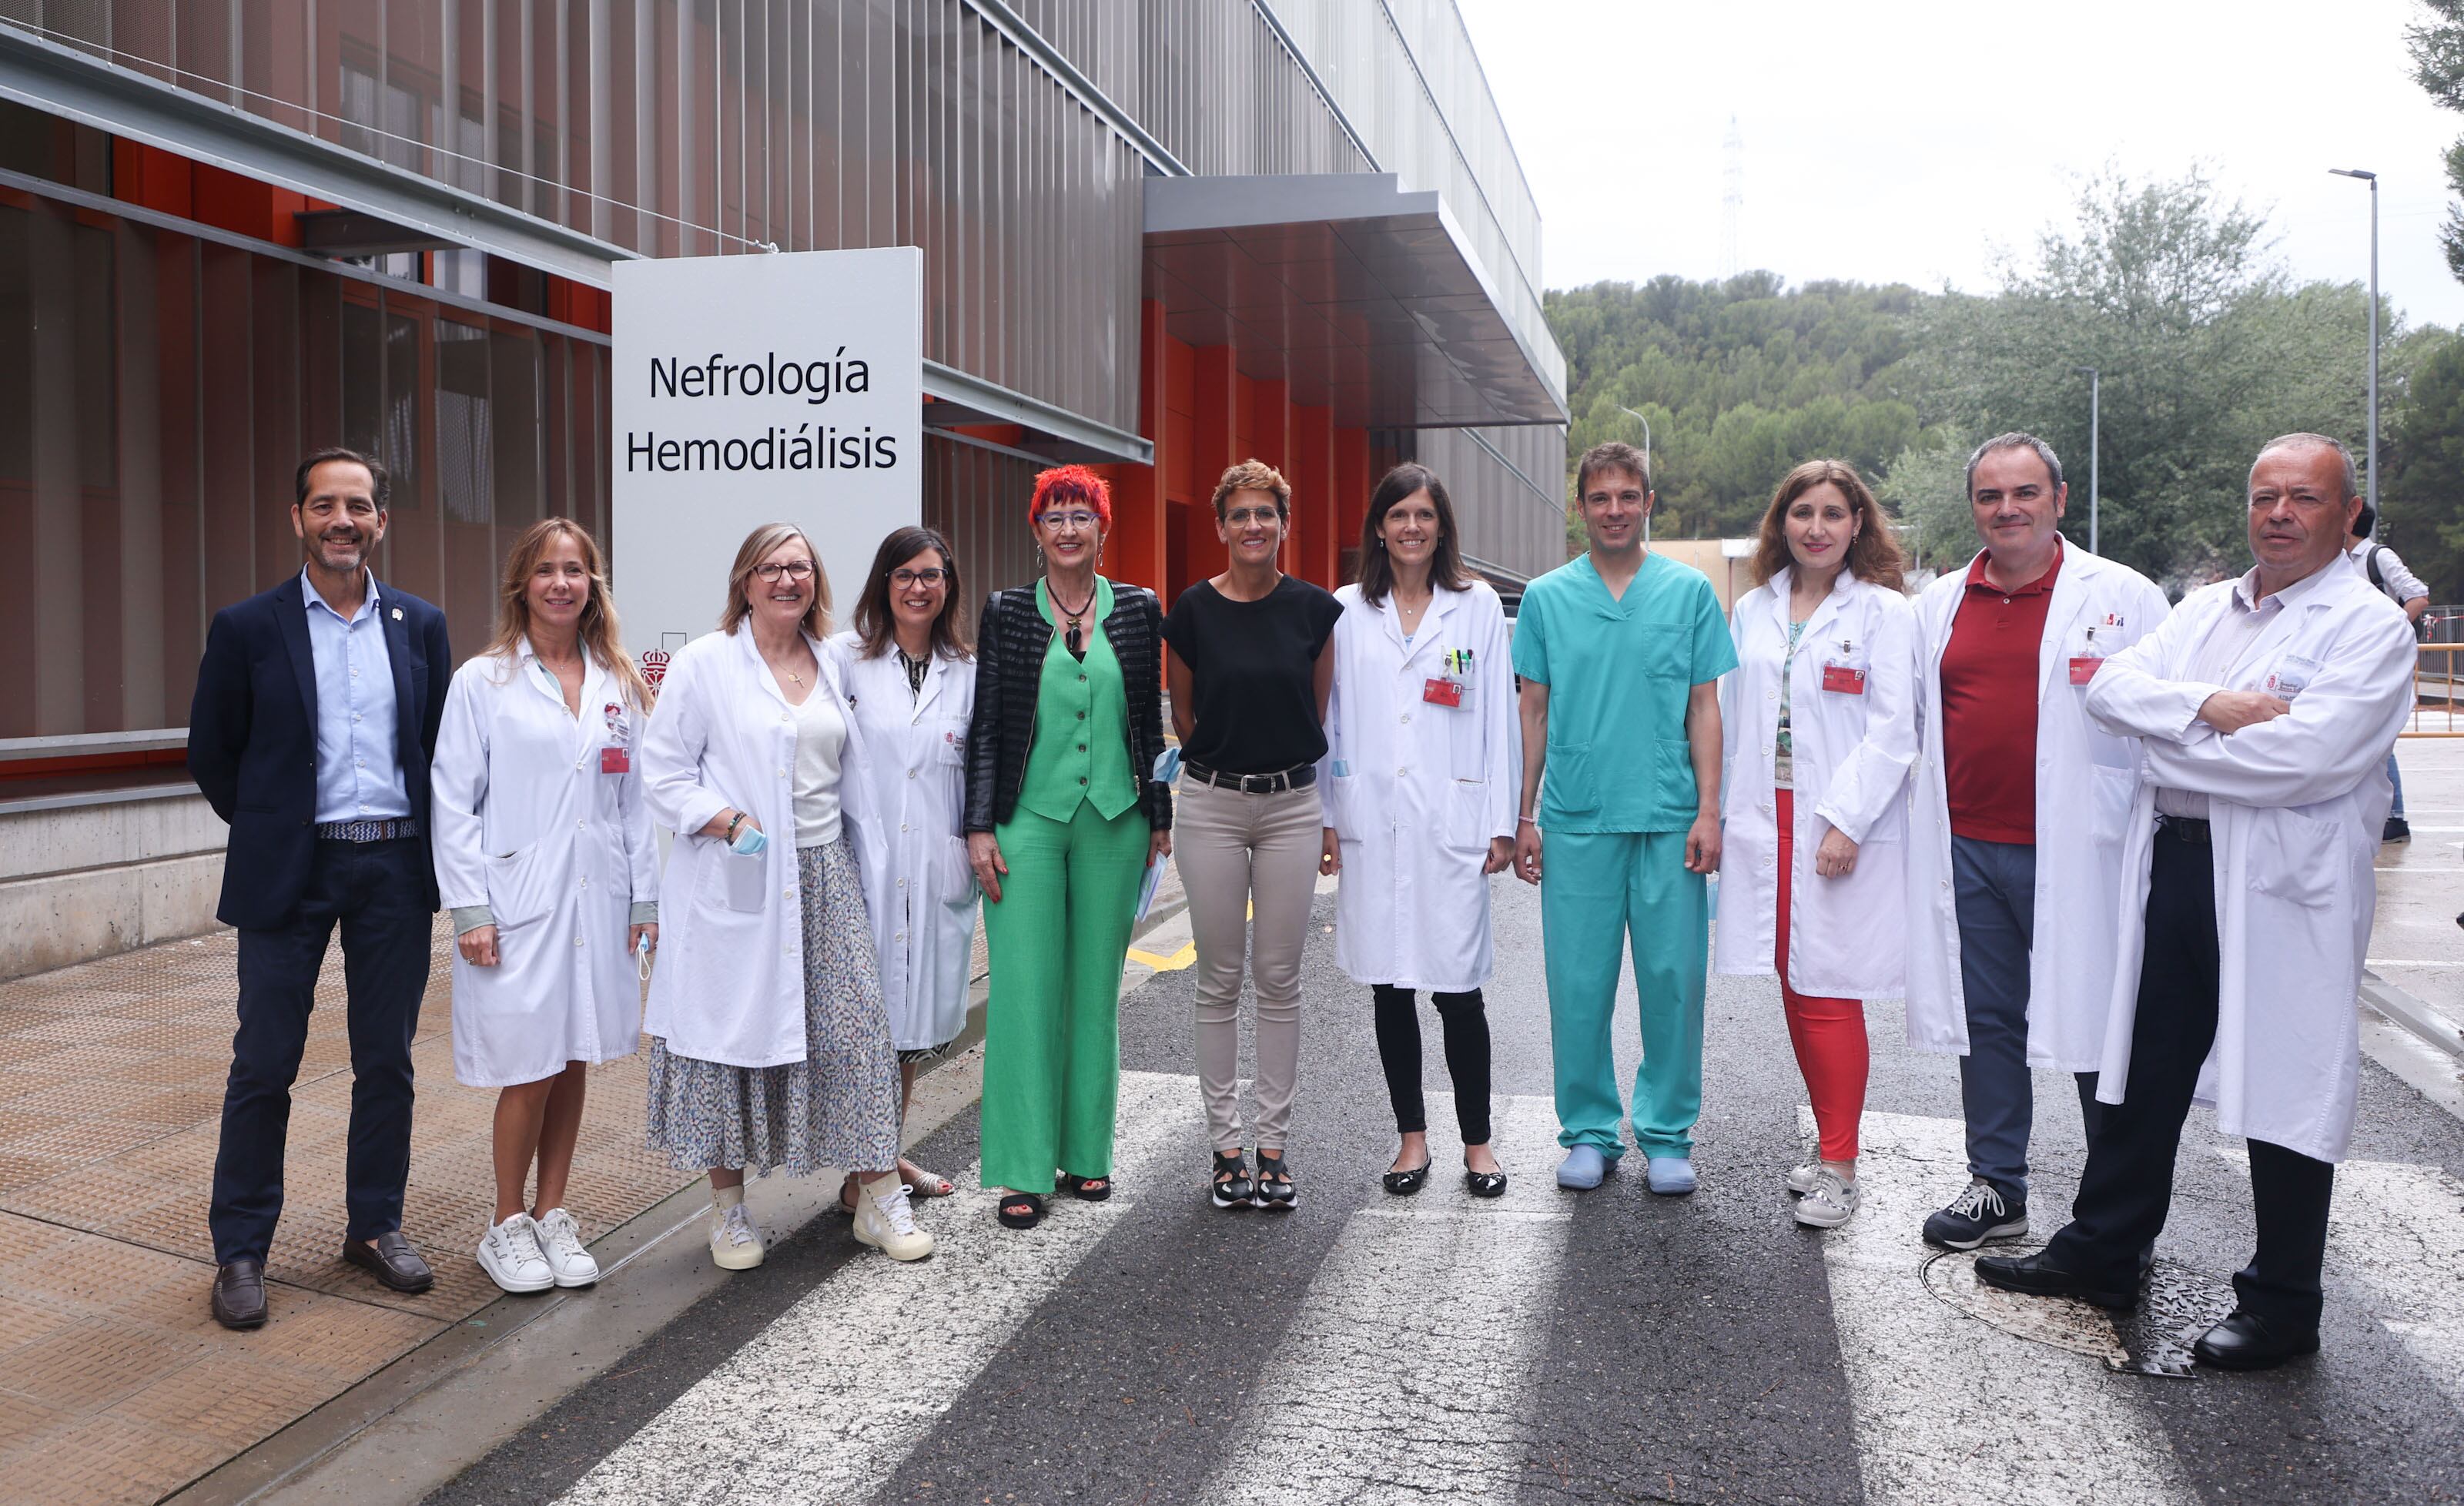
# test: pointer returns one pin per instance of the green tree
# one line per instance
(2437, 49)
(2421, 493)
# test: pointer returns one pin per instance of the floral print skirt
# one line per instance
(837, 1107)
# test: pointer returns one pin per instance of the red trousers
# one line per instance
(1829, 1035)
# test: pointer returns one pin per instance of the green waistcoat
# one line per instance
(1081, 709)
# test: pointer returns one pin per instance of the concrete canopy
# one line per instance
(1363, 298)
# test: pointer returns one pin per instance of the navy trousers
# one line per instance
(376, 892)
(2129, 1185)
(1993, 891)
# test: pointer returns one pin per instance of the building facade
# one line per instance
(1159, 237)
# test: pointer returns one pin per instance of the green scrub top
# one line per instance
(1079, 754)
(1618, 672)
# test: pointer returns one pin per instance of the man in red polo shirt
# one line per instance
(2020, 808)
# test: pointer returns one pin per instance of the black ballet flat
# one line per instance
(1485, 1184)
(1403, 1183)
(1020, 1211)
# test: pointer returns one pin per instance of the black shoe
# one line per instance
(1020, 1211)
(392, 1260)
(1087, 1188)
(2031, 1277)
(1976, 1215)
(1275, 1188)
(2248, 1341)
(240, 1294)
(1485, 1184)
(2398, 829)
(1231, 1187)
(1403, 1183)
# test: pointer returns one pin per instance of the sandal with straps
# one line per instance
(1275, 1188)
(1087, 1188)
(1020, 1211)
(1232, 1187)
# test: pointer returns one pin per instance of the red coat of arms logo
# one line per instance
(654, 668)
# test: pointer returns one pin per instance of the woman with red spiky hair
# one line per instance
(1064, 815)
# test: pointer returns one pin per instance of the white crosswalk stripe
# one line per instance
(1399, 1379)
(1951, 1409)
(2398, 1231)
(829, 1399)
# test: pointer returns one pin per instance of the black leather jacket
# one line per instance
(1010, 646)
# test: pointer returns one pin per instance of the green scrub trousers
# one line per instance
(1076, 847)
(1597, 889)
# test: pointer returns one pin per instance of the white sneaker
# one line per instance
(1831, 1201)
(512, 1257)
(560, 1237)
(735, 1243)
(884, 1221)
(1801, 1180)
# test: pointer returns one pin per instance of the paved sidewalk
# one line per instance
(115, 1385)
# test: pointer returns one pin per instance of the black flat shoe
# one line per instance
(240, 1294)
(1020, 1211)
(1087, 1188)
(1231, 1187)
(1275, 1188)
(1403, 1183)
(391, 1261)
(2247, 1341)
(1485, 1184)
(2029, 1275)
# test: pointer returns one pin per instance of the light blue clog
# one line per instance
(1583, 1168)
(1669, 1176)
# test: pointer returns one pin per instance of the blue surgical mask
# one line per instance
(749, 842)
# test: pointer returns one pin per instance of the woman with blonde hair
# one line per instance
(770, 1046)
(1821, 726)
(545, 855)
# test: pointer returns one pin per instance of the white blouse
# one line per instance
(821, 737)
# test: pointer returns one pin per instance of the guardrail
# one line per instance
(2436, 692)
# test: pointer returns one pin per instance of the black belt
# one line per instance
(389, 829)
(1300, 777)
(2185, 828)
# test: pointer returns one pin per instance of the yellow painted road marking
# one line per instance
(1187, 954)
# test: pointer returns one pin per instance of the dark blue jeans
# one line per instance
(376, 892)
(1993, 888)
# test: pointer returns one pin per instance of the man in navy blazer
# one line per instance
(316, 716)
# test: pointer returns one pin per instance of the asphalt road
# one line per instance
(1607, 1346)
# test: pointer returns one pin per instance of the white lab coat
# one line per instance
(526, 824)
(2085, 778)
(2295, 806)
(1847, 936)
(1415, 790)
(917, 886)
(730, 983)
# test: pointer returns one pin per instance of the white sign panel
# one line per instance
(756, 390)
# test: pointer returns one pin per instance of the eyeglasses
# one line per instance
(796, 570)
(1079, 519)
(1243, 516)
(928, 577)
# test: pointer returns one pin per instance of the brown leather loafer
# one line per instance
(393, 1261)
(240, 1294)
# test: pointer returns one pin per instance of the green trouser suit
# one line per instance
(1076, 847)
(1601, 887)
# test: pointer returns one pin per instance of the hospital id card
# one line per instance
(1438, 691)
(615, 760)
(1843, 679)
(2083, 668)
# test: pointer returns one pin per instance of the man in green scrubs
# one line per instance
(1621, 653)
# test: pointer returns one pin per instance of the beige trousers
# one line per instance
(1249, 865)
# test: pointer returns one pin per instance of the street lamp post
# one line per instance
(1647, 460)
(2372, 179)
(2095, 441)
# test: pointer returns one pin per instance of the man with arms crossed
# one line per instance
(2384, 568)
(1620, 651)
(2265, 706)
(2016, 831)
(316, 716)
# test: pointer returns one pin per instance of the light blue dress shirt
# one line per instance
(358, 769)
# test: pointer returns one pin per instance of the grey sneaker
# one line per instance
(1976, 1215)
(1830, 1202)
(1801, 1180)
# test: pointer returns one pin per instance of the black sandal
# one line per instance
(1403, 1183)
(1020, 1211)
(1275, 1188)
(1232, 1187)
(1087, 1188)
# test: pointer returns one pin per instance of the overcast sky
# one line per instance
(1908, 141)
